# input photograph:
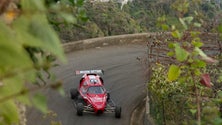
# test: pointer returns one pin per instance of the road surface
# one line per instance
(124, 78)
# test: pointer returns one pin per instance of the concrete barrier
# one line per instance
(140, 38)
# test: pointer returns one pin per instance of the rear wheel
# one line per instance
(108, 96)
(118, 112)
(74, 93)
(79, 109)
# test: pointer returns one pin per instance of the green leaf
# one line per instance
(197, 44)
(220, 28)
(39, 101)
(38, 34)
(220, 78)
(217, 121)
(164, 27)
(197, 72)
(41, 30)
(173, 27)
(193, 111)
(83, 18)
(171, 53)
(68, 18)
(199, 64)
(181, 54)
(219, 93)
(197, 24)
(171, 45)
(176, 34)
(188, 19)
(173, 73)
(61, 91)
(24, 99)
(82, 14)
(161, 19)
(196, 13)
(183, 23)
(182, 79)
(9, 112)
(33, 5)
(194, 33)
(190, 60)
(79, 3)
(11, 86)
(23, 36)
(12, 54)
(31, 32)
(200, 52)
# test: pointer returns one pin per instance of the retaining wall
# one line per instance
(141, 38)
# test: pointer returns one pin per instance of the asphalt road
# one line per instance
(124, 78)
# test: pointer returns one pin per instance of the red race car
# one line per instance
(91, 95)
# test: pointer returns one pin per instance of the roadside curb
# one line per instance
(138, 114)
(148, 120)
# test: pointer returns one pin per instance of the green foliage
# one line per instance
(209, 9)
(107, 18)
(146, 12)
(185, 21)
(10, 50)
(174, 73)
(167, 86)
(173, 102)
(67, 12)
(169, 100)
(220, 28)
(39, 101)
(181, 54)
(189, 64)
(136, 16)
(28, 46)
(103, 20)
(181, 7)
(9, 113)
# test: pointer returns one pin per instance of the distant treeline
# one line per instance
(107, 19)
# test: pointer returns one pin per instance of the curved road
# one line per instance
(124, 78)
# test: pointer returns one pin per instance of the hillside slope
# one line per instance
(107, 18)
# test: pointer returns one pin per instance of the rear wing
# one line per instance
(78, 72)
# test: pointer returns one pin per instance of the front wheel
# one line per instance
(79, 109)
(118, 112)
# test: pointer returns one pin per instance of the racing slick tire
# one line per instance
(80, 99)
(117, 111)
(108, 96)
(74, 93)
(79, 109)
